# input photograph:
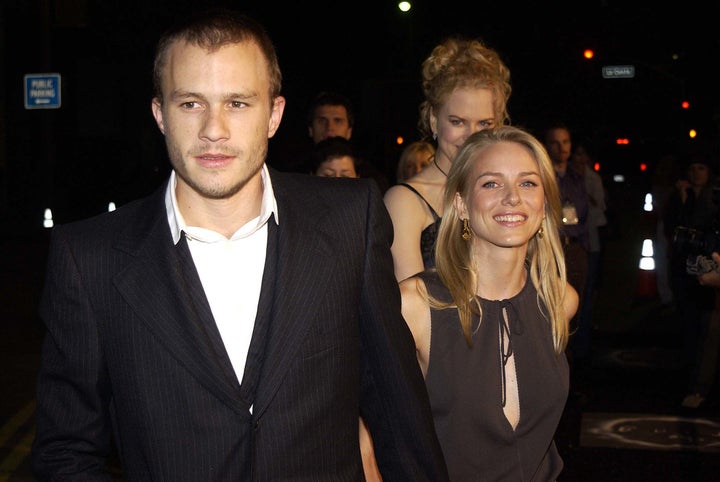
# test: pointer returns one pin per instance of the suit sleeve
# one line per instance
(394, 402)
(72, 440)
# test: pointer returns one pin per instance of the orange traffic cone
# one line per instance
(646, 285)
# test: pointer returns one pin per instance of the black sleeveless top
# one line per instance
(429, 234)
(465, 385)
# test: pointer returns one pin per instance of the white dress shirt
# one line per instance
(230, 270)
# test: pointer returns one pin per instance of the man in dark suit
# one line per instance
(237, 323)
(574, 232)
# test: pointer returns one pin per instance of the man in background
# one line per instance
(582, 161)
(331, 114)
(574, 230)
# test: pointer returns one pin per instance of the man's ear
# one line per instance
(276, 114)
(157, 113)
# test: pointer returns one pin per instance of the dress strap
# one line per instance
(432, 211)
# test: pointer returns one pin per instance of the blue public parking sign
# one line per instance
(42, 91)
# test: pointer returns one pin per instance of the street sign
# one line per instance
(42, 91)
(618, 72)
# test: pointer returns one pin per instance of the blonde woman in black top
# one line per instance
(490, 323)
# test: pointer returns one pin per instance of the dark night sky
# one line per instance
(370, 51)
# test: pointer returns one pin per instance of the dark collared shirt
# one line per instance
(572, 190)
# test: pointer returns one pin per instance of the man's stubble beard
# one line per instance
(216, 192)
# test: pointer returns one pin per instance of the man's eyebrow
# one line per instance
(241, 95)
(184, 94)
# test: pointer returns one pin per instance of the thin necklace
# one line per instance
(439, 169)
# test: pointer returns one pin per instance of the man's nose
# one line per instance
(214, 127)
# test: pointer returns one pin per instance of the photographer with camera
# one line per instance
(712, 277)
(691, 223)
(710, 345)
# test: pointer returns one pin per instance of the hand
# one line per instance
(683, 185)
(711, 278)
(372, 472)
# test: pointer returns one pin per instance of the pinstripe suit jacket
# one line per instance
(132, 355)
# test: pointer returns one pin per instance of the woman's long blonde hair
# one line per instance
(544, 255)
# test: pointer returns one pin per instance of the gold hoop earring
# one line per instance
(540, 232)
(466, 229)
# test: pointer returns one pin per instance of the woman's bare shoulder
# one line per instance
(413, 292)
(572, 300)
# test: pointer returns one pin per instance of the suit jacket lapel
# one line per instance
(163, 287)
(258, 342)
(303, 253)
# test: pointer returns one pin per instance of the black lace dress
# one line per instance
(429, 234)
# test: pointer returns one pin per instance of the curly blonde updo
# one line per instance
(459, 62)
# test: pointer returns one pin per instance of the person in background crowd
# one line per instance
(490, 323)
(582, 161)
(662, 186)
(331, 114)
(414, 158)
(692, 205)
(235, 324)
(466, 86)
(574, 232)
(706, 375)
(333, 157)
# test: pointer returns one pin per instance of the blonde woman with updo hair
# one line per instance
(466, 86)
